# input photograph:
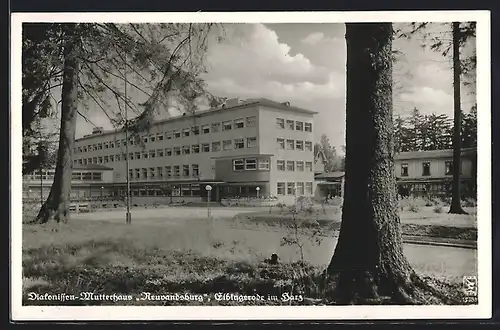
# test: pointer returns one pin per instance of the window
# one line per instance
(300, 166)
(251, 142)
(309, 188)
(94, 160)
(85, 160)
(159, 152)
(299, 126)
(448, 167)
(215, 127)
(281, 143)
(280, 188)
(290, 188)
(131, 141)
(185, 170)
(185, 132)
(308, 145)
(185, 190)
(144, 173)
(145, 155)
(299, 145)
(426, 168)
(168, 151)
(263, 164)
(145, 139)
(280, 123)
(227, 126)
(137, 173)
(215, 146)
(290, 144)
(117, 145)
(137, 155)
(168, 171)
(250, 164)
(239, 123)
(85, 176)
(100, 160)
(309, 166)
(99, 146)
(308, 127)
(280, 165)
(177, 170)
(205, 147)
(227, 145)
(176, 191)
(195, 169)
(117, 158)
(159, 171)
(186, 150)
(96, 176)
(300, 188)
(290, 165)
(290, 124)
(152, 172)
(238, 165)
(177, 151)
(177, 134)
(159, 136)
(85, 148)
(239, 144)
(89, 160)
(195, 148)
(152, 153)
(196, 130)
(195, 189)
(152, 138)
(168, 135)
(404, 169)
(106, 145)
(251, 121)
(124, 142)
(205, 129)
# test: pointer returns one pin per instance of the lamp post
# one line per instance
(258, 189)
(208, 188)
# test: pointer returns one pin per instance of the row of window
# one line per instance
(292, 165)
(294, 188)
(176, 134)
(184, 190)
(250, 164)
(217, 146)
(294, 144)
(426, 168)
(168, 171)
(78, 176)
(293, 125)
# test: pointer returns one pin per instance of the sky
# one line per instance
(305, 64)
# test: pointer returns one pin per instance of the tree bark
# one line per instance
(56, 207)
(455, 206)
(368, 261)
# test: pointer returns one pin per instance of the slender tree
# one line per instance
(455, 206)
(368, 261)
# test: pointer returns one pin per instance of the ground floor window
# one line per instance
(300, 188)
(309, 188)
(290, 188)
(280, 188)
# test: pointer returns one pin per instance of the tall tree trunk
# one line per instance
(457, 119)
(56, 207)
(368, 261)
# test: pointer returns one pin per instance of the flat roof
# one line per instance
(247, 103)
(445, 153)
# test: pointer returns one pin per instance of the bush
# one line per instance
(469, 202)
(438, 209)
(413, 207)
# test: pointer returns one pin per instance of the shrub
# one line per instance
(438, 209)
(413, 207)
(469, 202)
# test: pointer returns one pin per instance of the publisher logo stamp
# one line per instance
(470, 289)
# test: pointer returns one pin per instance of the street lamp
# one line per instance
(208, 188)
(258, 189)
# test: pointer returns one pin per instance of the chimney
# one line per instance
(232, 102)
(97, 130)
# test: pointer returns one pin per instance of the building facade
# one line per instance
(422, 173)
(234, 149)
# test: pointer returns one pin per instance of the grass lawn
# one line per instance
(195, 256)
